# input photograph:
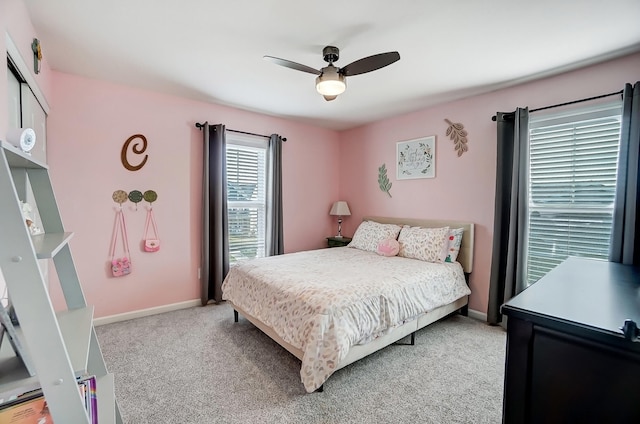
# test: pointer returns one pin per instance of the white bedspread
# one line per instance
(325, 301)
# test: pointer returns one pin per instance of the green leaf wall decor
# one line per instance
(383, 180)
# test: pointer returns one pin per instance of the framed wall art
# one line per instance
(416, 158)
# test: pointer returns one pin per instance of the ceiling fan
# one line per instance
(331, 80)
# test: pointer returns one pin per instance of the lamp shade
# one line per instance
(340, 208)
(330, 83)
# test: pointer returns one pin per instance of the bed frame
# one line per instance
(465, 258)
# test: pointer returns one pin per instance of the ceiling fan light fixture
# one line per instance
(331, 83)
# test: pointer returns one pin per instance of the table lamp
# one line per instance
(340, 209)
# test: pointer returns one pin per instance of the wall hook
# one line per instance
(150, 196)
(37, 55)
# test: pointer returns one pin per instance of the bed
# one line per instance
(332, 307)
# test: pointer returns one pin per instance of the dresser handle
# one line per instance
(630, 330)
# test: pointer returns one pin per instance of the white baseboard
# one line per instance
(480, 316)
(146, 312)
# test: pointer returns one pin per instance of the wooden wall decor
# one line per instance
(135, 196)
(119, 196)
(383, 180)
(135, 149)
(150, 196)
(458, 134)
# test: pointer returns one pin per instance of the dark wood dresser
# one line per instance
(567, 359)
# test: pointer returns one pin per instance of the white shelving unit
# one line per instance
(61, 345)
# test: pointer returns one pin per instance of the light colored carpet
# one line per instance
(197, 366)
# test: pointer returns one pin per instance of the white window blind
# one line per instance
(246, 196)
(572, 179)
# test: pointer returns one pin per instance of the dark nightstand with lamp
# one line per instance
(339, 209)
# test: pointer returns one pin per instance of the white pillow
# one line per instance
(424, 244)
(370, 233)
(452, 243)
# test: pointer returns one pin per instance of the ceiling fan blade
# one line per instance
(292, 65)
(370, 63)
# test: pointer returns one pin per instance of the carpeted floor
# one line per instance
(197, 366)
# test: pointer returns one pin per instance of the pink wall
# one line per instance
(89, 123)
(90, 120)
(464, 187)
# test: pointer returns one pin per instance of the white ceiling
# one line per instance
(212, 50)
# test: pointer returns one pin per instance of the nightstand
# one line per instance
(338, 241)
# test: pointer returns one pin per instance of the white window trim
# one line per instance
(567, 116)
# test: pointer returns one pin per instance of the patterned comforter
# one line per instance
(325, 301)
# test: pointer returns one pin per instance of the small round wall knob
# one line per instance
(17, 259)
(58, 382)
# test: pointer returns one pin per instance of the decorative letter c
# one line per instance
(136, 150)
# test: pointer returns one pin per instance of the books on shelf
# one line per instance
(31, 407)
(91, 400)
(28, 410)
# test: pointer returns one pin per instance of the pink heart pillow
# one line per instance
(388, 247)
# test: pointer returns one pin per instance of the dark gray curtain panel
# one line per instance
(215, 242)
(625, 244)
(507, 273)
(275, 234)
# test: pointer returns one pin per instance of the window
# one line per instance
(246, 196)
(572, 180)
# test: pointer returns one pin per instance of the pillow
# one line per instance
(424, 244)
(452, 244)
(388, 247)
(370, 233)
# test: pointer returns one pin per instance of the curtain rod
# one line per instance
(200, 126)
(493, 118)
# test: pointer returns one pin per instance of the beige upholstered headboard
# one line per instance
(465, 257)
